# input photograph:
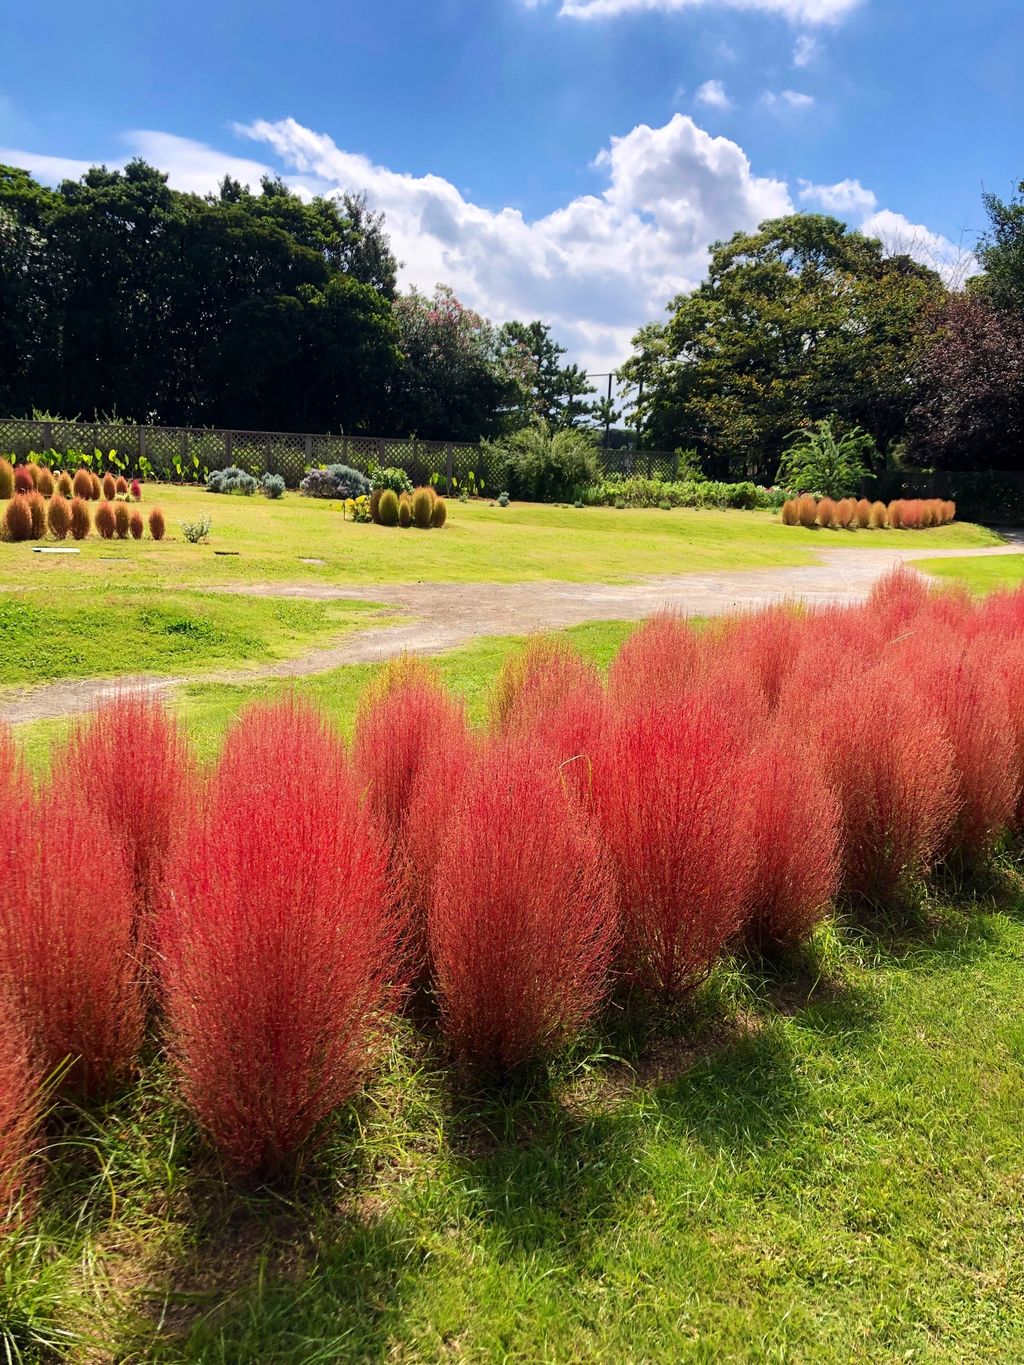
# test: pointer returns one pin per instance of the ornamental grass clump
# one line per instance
(20, 1120)
(59, 517)
(671, 804)
(80, 521)
(657, 661)
(67, 951)
(276, 948)
(522, 918)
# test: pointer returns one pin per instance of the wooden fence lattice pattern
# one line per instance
(286, 453)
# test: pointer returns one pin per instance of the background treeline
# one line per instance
(119, 295)
(805, 320)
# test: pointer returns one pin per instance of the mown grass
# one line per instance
(106, 632)
(979, 575)
(268, 541)
(819, 1161)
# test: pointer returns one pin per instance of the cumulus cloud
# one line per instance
(712, 93)
(846, 196)
(785, 101)
(796, 11)
(900, 236)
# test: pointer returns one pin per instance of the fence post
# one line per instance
(47, 430)
(309, 448)
(449, 458)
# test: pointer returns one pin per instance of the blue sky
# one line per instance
(569, 159)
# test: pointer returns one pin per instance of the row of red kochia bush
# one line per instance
(84, 483)
(852, 514)
(29, 516)
(716, 794)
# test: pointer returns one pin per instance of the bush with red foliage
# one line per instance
(522, 919)
(276, 947)
(6, 480)
(37, 514)
(670, 802)
(105, 523)
(884, 751)
(136, 525)
(64, 486)
(109, 487)
(1003, 657)
(122, 519)
(534, 679)
(762, 645)
(795, 845)
(132, 762)
(59, 517)
(67, 952)
(44, 482)
(896, 600)
(827, 513)
(157, 526)
(807, 510)
(136, 491)
(23, 478)
(971, 703)
(18, 518)
(80, 522)
(20, 1115)
(656, 662)
(121, 485)
(81, 485)
(97, 487)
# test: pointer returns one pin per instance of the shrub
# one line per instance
(827, 513)
(59, 517)
(539, 465)
(502, 499)
(24, 478)
(762, 646)
(387, 508)
(423, 507)
(894, 514)
(669, 801)
(794, 835)
(231, 480)
(273, 486)
(863, 512)
(18, 519)
(122, 520)
(790, 512)
(37, 514)
(66, 943)
(80, 520)
(374, 505)
(391, 477)
(20, 1118)
(522, 919)
(846, 513)
(657, 661)
(64, 485)
(898, 799)
(879, 518)
(276, 948)
(534, 680)
(336, 481)
(405, 511)
(157, 526)
(807, 510)
(109, 487)
(136, 525)
(136, 491)
(439, 514)
(105, 522)
(81, 485)
(132, 762)
(820, 458)
(97, 487)
(6, 480)
(195, 532)
(45, 483)
(121, 485)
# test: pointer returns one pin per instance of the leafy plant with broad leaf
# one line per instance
(821, 461)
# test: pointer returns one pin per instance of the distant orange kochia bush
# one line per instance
(59, 517)
(790, 512)
(20, 1120)
(80, 523)
(671, 805)
(522, 920)
(846, 512)
(276, 948)
(850, 513)
(97, 487)
(807, 510)
(109, 487)
(879, 518)
(121, 484)
(64, 485)
(44, 482)
(37, 514)
(67, 953)
(656, 662)
(122, 519)
(81, 484)
(18, 518)
(827, 513)
(136, 525)
(6, 480)
(157, 525)
(863, 513)
(795, 845)
(105, 523)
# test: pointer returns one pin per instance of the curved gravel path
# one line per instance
(444, 615)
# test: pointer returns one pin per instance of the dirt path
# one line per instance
(444, 615)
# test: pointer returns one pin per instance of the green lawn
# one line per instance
(818, 1164)
(980, 575)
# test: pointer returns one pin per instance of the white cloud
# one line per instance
(796, 11)
(900, 236)
(805, 49)
(712, 93)
(846, 196)
(783, 101)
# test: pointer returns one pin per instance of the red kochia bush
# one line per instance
(81, 485)
(37, 513)
(19, 1119)
(136, 526)
(121, 484)
(105, 523)
(277, 939)
(534, 679)
(136, 491)
(522, 918)
(1004, 658)
(67, 953)
(655, 663)
(794, 838)
(79, 518)
(122, 519)
(133, 763)
(109, 487)
(156, 524)
(23, 480)
(18, 518)
(671, 805)
(6, 480)
(884, 751)
(59, 517)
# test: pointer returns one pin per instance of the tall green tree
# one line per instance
(1001, 253)
(558, 393)
(801, 320)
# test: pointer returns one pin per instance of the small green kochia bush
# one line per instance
(423, 507)
(439, 515)
(405, 514)
(388, 507)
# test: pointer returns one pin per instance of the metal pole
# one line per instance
(608, 413)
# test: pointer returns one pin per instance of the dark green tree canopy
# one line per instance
(559, 393)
